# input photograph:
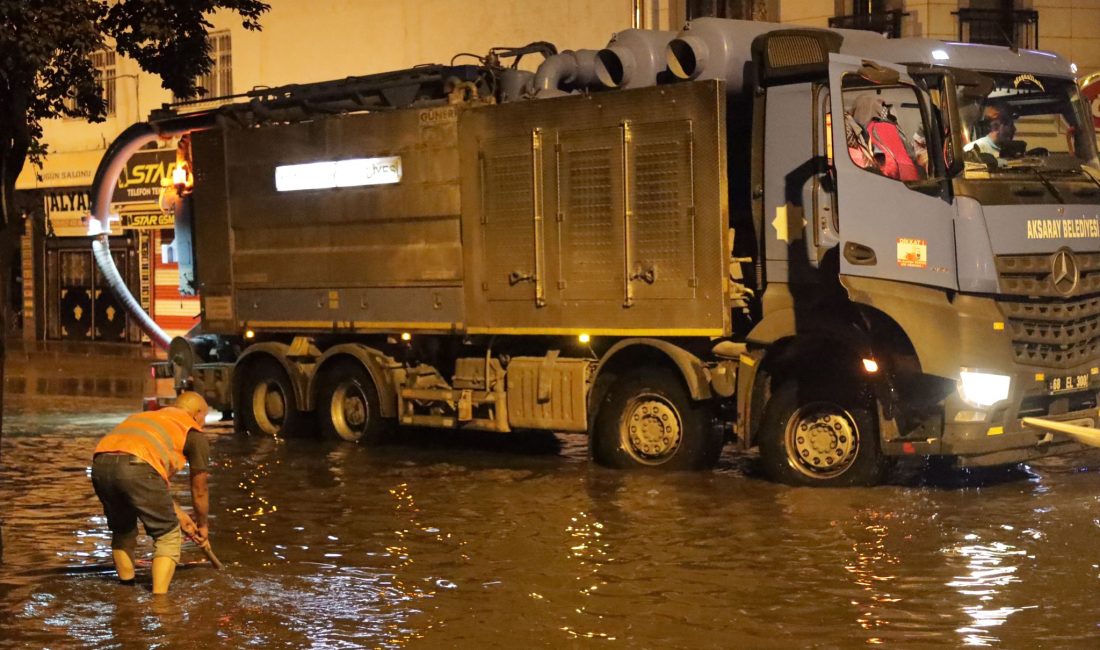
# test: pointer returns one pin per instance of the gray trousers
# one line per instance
(131, 490)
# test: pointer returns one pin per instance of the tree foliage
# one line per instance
(46, 69)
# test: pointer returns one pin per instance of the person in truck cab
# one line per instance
(999, 126)
(131, 469)
(890, 146)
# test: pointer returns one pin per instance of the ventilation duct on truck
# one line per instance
(515, 84)
(715, 48)
(569, 70)
(719, 48)
(634, 58)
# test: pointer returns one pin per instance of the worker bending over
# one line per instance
(131, 470)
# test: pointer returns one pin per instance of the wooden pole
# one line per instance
(209, 553)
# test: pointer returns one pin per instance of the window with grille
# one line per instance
(105, 75)
(881, 16)
(998, 22)
(219, 81)
(737, 9)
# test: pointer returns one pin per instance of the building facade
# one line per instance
(313, 40)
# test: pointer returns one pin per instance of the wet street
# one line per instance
(490, 541)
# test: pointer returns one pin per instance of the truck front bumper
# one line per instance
(981, 445)
(1031, 424)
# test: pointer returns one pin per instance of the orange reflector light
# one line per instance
(584, 338)
(405, 336)
(870, 365)
(249, 334)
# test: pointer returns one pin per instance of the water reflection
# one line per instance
(992, 566)
(871, 569)
(442, 543)
(590, 552)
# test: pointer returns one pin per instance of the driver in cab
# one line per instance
(999, 125)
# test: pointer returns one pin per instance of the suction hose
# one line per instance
(106, 178)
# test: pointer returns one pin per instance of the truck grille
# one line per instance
(1030, 275)
(1054, 333)
(1049, 330)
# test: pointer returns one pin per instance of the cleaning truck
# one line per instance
(835, 247)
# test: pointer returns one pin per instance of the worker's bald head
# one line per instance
(193, 404)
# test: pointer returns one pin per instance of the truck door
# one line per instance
(894, 222)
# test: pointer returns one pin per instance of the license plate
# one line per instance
(1068, 383)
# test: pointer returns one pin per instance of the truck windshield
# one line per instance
(1023, 124)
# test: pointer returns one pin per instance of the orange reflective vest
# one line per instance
(156, 437)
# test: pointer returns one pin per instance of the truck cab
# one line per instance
(933, 208)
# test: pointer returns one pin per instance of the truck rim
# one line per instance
(349, 411)
(822, 440)
(650, 429)
(269, 407)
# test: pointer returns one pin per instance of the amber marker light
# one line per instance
(584, 338)
(249, 334)
(870, 365)
(405, 336)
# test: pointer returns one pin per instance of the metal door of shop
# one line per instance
(81, 306)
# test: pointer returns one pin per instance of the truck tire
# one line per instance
(815, 435)
(648, 420)
(268, 405)
(347, 405)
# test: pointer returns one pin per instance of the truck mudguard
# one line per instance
(280, 352)
(691, 367)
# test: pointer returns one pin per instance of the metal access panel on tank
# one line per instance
(376, 257)
(602, 214)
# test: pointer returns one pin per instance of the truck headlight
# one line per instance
(983, 389)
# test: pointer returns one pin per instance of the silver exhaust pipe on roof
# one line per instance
(569, 70)
(633, 59)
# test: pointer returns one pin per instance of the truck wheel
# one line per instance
(268, 405)
(348, 407)
(821, 436)
(649, 420)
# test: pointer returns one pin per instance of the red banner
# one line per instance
(1090, 89)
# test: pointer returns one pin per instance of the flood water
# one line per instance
(493, 541)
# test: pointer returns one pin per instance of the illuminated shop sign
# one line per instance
(338, 173)
(144, 176)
